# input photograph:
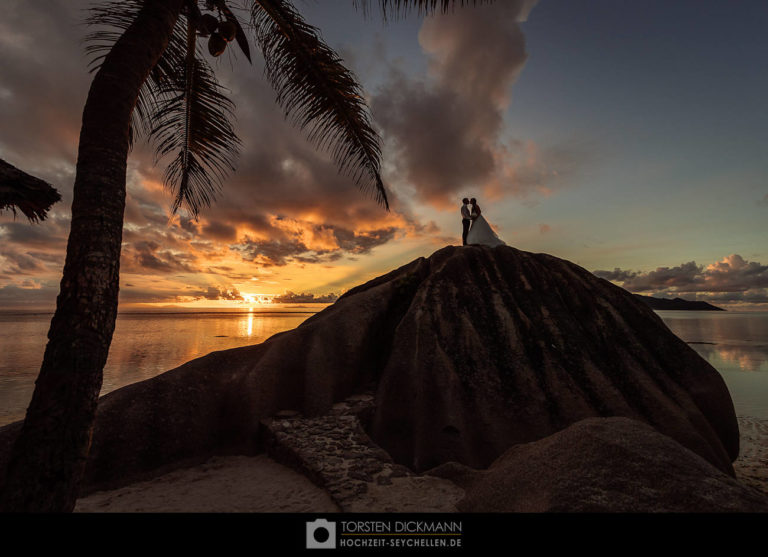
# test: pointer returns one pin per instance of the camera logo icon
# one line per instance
(321, 534)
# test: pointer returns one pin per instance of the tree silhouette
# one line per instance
(153, 80)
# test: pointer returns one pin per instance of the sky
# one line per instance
(626, 136)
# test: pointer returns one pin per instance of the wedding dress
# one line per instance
(482, 234)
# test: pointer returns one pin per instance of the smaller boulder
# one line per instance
(601, 465)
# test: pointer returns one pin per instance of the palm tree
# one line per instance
(32, 196)
(153, 78)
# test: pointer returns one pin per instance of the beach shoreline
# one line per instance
(752, 465)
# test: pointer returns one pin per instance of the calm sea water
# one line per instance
(735, 344)
(144, 345)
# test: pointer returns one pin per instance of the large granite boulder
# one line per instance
(470, 351)
(601, 465)
(501, 346)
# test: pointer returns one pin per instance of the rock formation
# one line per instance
(501, 346)
(601, 465)
(469, 352)
(336, 453)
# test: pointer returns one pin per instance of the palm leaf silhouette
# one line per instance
(318, 93)
(191, 118)
(422, 7)
(181, 108)
(30, 195)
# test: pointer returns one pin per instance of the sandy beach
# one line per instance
(222, 484)
(260, 484)
(752, 464)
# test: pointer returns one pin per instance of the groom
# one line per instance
(466, 219)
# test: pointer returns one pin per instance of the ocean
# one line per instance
(736, 345)
(143, 346)
(147, 344)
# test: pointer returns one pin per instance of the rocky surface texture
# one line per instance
(470, 351)
(501, 346)
(335, 453)
(602, 465)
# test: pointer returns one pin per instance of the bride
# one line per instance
(481, 232)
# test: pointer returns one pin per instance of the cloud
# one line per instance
(617, 275)
(150, 256)
(544, 229)
(32, 296)
(310, 243)
(734, 273)
(729, 279)
(27, 249)
(51, 233)
(360, 243)
(763, 201)
(447, 131)
(686, 277)
(287, 202)
(43, 85)
(217, 293)
(16, 263)
(219, 231)
(292, 298)
(269, 252)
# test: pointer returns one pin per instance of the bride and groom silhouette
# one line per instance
(476, 231)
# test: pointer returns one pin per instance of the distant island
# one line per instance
(677, 304)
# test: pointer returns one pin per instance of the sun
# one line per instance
(256, 299)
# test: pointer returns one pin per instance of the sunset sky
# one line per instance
(630, 137)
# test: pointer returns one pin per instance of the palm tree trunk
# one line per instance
(48, 458)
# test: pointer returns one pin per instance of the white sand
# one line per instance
(222, 484)
(752, 465)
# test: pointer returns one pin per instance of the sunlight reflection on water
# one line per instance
(144, 345)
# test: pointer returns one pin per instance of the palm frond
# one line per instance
(181, 109)
(398, 8)
(193, 119)
(318, 93)
(32, 196)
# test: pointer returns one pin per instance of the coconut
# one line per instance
(216, 45)
(227, 30)
(208, 23)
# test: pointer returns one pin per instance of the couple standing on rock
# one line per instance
(476, 230)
